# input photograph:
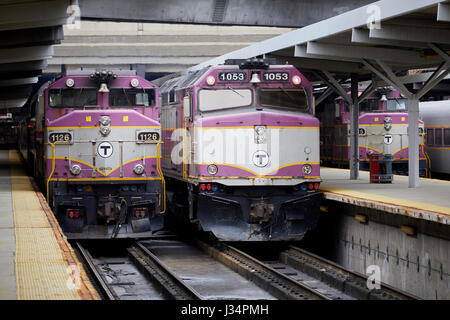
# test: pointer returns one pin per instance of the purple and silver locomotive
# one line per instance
(97, 154)
(241, 150)
(383, 124)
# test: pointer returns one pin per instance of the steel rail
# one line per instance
(154, 269)
(350, 282)
(101, 281)
(276, 283)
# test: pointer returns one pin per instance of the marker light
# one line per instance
(296, 80)
(75, 170)
(70, 83)
(138, 169)
(134, 82)
(212, 169)
(210, 80)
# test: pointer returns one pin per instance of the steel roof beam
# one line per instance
(11, 55)
(360, 35)
(393, 78)
(324, 95)
(352, 19)
(19, 81)
(443, 13)
(332, 82)
(367, 92)
(329, 65)
(411, 33)
(356, 52)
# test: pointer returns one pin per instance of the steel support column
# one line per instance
(413, 142)
(354, 130)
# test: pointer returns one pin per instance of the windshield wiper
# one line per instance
(286, 93)
(126, 96)
(235, 92)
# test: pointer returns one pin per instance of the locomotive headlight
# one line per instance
(307, 169)
(105, 120)
(421, 130)
(260, 134)
(105, 130)
(388, 123)
(139, 169)
(260, 139)
(212, 169)
(75, 170)
(260, 130)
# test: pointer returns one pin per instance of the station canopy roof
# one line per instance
(387, 39)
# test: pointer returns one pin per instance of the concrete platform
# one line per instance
(36, 261)
(430, 201)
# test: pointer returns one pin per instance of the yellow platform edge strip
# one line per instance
(46, 266)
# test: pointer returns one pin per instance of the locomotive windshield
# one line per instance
(397, 104)
(131, 97)
(72, 98)
(283, 98)
(367, 105)
(224, 98)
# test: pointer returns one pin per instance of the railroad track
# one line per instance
(333, 275)
(170, 269)
(152, 281)
(276, 283)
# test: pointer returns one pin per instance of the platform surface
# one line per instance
(36, 261)
(429, 201)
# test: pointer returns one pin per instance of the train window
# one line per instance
(368, 105)
(132, 97)
(72, 98)
(438, 136)
(397, 105)
(172, 96)
(430, 137)
(346, 106)
(447, 136)
(224, 98)
(283, 98)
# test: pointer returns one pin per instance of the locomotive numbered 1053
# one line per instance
(241, 151)
(96, 154)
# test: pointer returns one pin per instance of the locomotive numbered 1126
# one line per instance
(241, 150)
(97, 139)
